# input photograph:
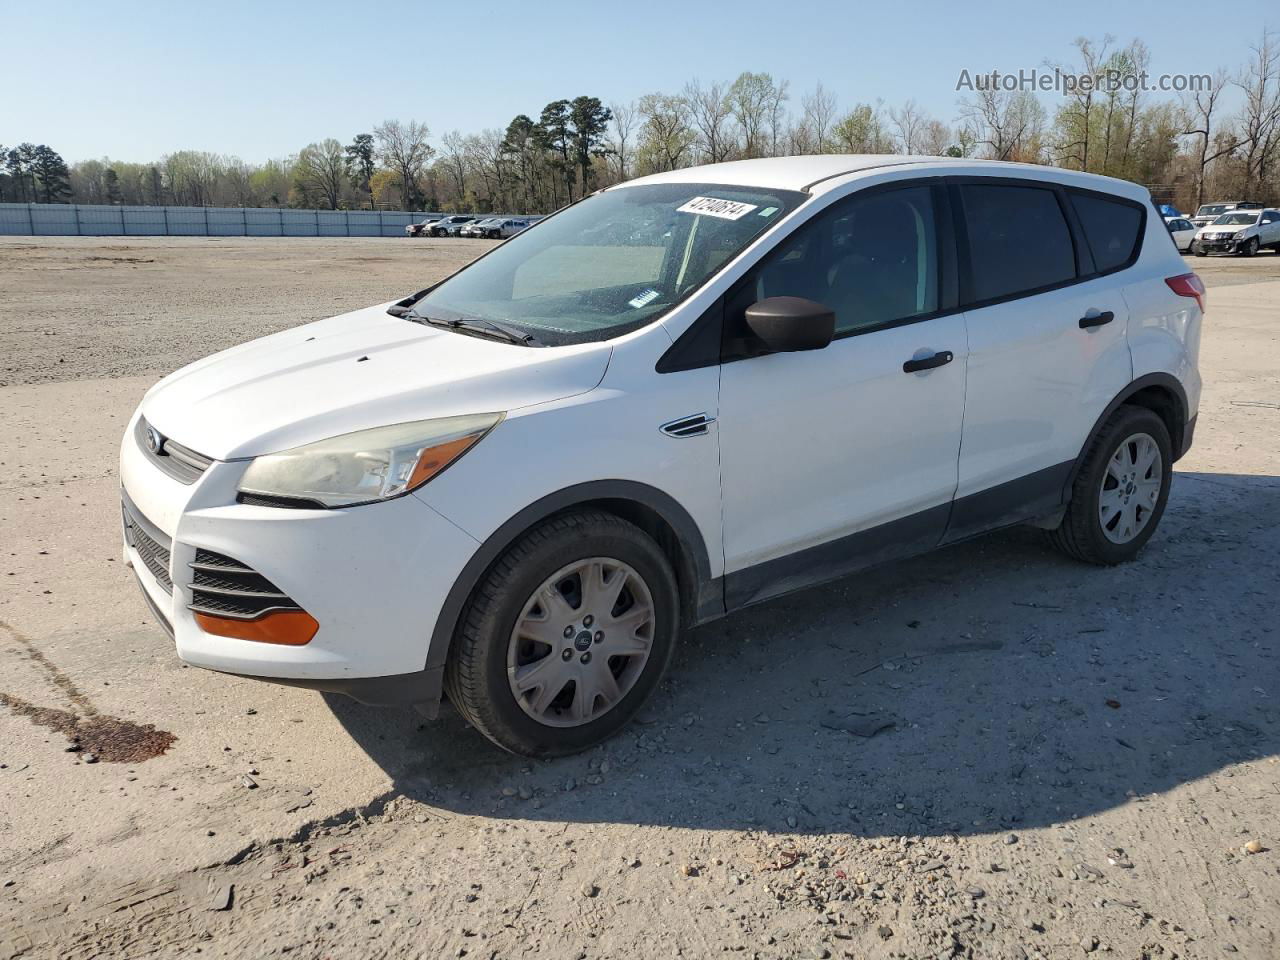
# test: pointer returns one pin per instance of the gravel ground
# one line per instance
(987, 752)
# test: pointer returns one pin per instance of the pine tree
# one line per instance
(51, 174)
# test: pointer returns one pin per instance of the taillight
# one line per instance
(1188, 285)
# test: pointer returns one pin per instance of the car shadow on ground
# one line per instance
(1022, 689)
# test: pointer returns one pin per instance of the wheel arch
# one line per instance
(657, 513)
(1160, 393)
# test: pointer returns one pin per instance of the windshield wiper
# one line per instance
(476, 325)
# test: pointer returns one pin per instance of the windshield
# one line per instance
(1236, 219)
(1212, 209)
(611, 263)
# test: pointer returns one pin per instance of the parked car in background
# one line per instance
(1243, 232)
(422, 228)
(500, 229)
(1209, 212)
(684, 395)
(450, 226)
(478, 228)
(1183, 232)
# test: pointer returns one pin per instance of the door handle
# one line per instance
(928, 363)
(1104, 317)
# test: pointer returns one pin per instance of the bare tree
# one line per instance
(819, 114)
(624, 127)
(453, 157)
(936, 139)
(1260, 116)
(909, 120)
(1201, 106)
(1005, 123)
(710, 112)
(403, 148)
(1077, 117)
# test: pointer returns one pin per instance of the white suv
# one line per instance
(683, 395)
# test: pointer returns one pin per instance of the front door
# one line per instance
(837, 458)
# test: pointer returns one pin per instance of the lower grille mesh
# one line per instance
(224, 587)
(153, 554)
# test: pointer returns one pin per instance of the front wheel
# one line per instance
(1120, 491)
(566, 636)
(1250, 247)
(1197, 249)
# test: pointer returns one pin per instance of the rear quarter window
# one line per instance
(1112, 228)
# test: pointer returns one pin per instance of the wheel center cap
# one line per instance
(582, 641)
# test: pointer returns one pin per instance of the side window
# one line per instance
(872, 259)
(1018, 239)
(1111, 227)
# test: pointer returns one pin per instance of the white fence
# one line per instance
(73, 219)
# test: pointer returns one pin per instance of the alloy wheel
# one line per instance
(1130, 488)
(581, 642)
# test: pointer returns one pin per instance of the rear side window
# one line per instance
(1018, 240)
(1111, 227)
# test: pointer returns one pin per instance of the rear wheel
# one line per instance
(566, 636)
(1120, 492)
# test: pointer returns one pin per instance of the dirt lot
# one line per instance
(1075, 760)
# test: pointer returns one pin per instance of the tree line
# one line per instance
(1187, 148)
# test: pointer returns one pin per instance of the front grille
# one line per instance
(150, 545)
(224, 587)
(181, 463)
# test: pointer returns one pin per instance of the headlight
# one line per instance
(368, 465)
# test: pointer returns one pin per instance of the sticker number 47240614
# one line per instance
(713, 207)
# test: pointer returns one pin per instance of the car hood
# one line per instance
(1232, 228)
(352, 372)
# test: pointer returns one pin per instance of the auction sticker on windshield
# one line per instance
(714, 207)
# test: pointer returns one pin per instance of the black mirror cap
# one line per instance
(788, 324)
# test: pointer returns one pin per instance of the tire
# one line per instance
(1197, 249)
(1081, 534)
(491, 649)
(1250, 247)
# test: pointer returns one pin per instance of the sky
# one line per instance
(136, 79)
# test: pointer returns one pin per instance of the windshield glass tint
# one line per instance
(611, 263)
(1236, 219)
(1211, 209)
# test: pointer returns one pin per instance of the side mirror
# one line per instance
(787, 324)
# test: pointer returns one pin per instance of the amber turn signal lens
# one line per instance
(434, 459)
(292, 628)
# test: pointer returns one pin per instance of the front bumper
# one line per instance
(374, 577)
(1221, 246)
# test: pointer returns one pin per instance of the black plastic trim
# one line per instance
(422, 689)
(1165, 380)
(156, 612)
(1029, 497)
(705, 605)
(908, 536)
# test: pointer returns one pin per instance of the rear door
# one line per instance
(836, 458)
(1046, 321)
